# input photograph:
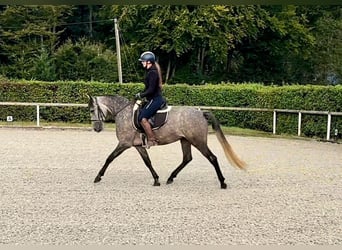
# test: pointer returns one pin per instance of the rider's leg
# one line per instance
(151, 139)
(147, 112)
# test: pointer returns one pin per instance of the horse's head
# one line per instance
(106, 108)
(97, 116)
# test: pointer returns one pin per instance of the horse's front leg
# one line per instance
(187, 157)
(117, 151)
(144, 155)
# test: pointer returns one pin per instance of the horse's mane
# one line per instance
(117, 100)
(117, 97)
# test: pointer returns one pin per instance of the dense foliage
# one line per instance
(194, 44)
(309, 97)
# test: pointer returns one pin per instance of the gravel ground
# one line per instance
(290, 195)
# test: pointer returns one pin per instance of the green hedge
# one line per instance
(322, 98)
(308, 97)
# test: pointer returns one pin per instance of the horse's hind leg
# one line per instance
(187, 157)
(117, 151)
(213, 160)
(144, 155)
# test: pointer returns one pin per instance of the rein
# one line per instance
(122, 108)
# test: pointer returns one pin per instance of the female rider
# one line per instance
(153, 94)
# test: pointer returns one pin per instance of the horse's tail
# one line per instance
(228, 150)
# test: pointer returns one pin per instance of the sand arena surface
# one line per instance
(290, 195)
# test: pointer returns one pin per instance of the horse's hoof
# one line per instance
(97, 179)
(169, 182)
(223, 185)
(156, 184)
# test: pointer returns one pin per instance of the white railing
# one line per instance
(275, 111)
(38, 105)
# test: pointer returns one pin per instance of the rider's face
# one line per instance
(144, 64)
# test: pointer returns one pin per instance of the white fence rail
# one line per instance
(275, 111)
(38, 105)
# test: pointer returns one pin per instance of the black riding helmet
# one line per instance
(147, 56)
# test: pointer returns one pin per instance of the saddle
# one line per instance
(156, 121)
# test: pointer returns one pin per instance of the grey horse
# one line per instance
(187, 124)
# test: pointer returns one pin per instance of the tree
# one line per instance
(193, 43)
(164, 29)
(83, 60)
(26, 32)
(189, 35)
(326, 59)
(278, 53)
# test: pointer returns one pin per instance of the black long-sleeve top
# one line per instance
(152, 88)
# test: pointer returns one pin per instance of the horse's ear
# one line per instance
(91, 99)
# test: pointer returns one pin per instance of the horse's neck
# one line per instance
(117, 104)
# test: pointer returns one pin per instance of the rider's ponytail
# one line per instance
(160, 75)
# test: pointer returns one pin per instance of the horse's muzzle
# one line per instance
(97, 130)
(98, 126)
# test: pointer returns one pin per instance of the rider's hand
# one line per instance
(137, 96)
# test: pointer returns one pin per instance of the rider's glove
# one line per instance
(137, 96)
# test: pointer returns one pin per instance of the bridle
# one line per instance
(101, 115)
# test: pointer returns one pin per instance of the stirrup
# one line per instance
(143, 138)
(146, 143)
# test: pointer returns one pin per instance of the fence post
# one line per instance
(274, 121)
(38, 116)
(328, 126)
(299, 122)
